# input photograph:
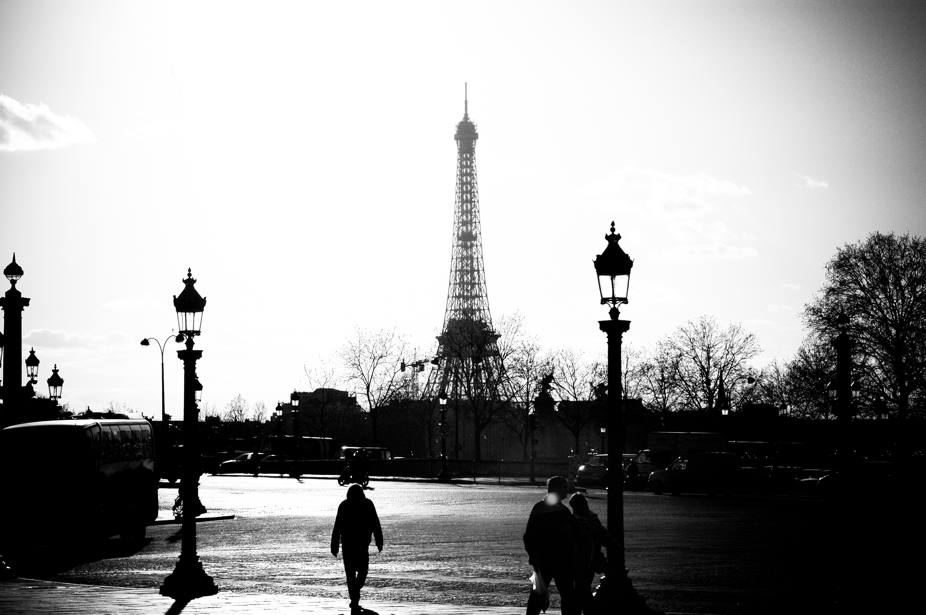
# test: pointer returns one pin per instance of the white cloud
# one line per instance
(26, 126)
(814, 183)
(686, 194)
(51, 338)
(778, 308)
(790, 286)
(690, 210)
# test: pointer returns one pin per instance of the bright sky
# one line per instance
(299, 156)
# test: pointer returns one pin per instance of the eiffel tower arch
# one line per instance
(469, 369)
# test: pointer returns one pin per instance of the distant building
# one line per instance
(322, 412)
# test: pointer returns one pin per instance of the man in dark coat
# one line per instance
(550, 541)
(354, 527)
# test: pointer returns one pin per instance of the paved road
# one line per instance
(461, 544)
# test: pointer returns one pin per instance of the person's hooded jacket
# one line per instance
(356, 523)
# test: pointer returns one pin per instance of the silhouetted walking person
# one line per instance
(591, 535)
(354, 527)
(550, 542)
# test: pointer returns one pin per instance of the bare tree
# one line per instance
(807, 376)
(209, 410)
(574, 381)
(236, 410)
(260, 413)
(322, 378)
(632, 386)
(119, 408)
(658, 380)
(708, 356)
(880, 285)
(525, 367)
(372, 361)
(768, 385)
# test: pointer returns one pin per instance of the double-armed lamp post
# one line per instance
(162, 346)
(615, 594)
(189, 580)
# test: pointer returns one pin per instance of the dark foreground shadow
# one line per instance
(47, 560)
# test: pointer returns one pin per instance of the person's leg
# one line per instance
(363, 566)
(565, 584)
(350, 570)
(583, 593)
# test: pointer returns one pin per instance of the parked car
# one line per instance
(245, 463)
(709, 472)
(594, 472)
(277, 464)
(860, 475)
(642, 464)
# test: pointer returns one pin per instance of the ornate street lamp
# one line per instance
(189, 580)
(444, 475)
(190, 306)
(198, 391)
(32, 366)
(615, 593)
(55, 384)
(278, 413)
(294, 399)
(613, 270)
(13, 271)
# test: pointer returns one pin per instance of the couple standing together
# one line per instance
(563, 546)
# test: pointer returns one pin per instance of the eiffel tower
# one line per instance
(468, 363)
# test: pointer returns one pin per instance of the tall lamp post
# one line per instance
(297, 431)
(615, 594)
(162, 347)
(444, 475)
(278, 412)
(189, 580)
(13, 304)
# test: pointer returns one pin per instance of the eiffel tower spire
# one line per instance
(468, 362)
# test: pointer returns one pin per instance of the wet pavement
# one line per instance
(457, 549)
(35, 597)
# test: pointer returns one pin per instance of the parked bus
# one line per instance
(371, 452)
(77, 479)
(302, 447)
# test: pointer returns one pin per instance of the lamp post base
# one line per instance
(188, 581)
(444, 476)
(620, 597)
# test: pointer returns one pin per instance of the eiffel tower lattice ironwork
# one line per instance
(467, 360)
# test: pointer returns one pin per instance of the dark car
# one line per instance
(645, 461)
(277, 464)
(245, 463)
(593, 472)
(858, 475)
(708, 472)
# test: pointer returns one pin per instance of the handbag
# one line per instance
(540, 591)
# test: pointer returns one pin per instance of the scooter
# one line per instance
(347, 478)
